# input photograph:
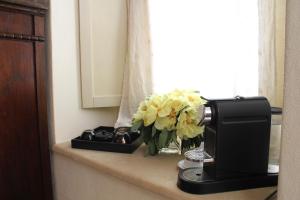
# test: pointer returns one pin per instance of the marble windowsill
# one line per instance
(157, 174)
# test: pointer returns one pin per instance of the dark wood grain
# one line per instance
(25, 171)
(20, 162)
(44, 4)
(15, 23)
(39, 26)
(41, 88)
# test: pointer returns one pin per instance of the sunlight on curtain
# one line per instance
(210, 46)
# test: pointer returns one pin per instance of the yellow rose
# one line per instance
(189, 131)
(195, 99)
(155, 100)
(165, 123)
(187, 126)
(152, 105)
(139, 115)
(178, 104)
(165, 108)
(178, 93)
(189, 97)
(150, 115)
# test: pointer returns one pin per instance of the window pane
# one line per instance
(210, 46)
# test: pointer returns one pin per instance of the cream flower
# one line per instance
(194, 99)
(165, 108)
(165, 123)
(177, 110)
(150, 115)
(139, 115)
(187, 126)
(153, 106)
(189, 97)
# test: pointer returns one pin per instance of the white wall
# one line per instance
(289, 179)
(84, 183)
(67, 118)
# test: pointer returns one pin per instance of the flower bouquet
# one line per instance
(172, 118)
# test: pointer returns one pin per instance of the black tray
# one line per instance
(107, 146)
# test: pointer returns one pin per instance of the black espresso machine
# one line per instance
(237, 137)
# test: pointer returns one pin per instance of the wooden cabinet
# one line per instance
(24, 149)
(44, 4)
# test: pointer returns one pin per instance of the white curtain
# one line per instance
(267, 62)
(271, 63)
(271, 49)
(137, 81)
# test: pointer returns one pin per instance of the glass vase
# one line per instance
(173, 148)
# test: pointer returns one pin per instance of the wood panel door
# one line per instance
(31, 3)
(20, 169)
(24, 152)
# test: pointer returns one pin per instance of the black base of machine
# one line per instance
(195, 182)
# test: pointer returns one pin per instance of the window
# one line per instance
(210, 46)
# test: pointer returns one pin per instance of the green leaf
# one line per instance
(169, 139)
(152, 148)
(156, 140)
(163, 138)
(136, 126)
(173, 136)
(146, 134)
(153, 130)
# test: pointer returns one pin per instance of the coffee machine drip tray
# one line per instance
(192, 181)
